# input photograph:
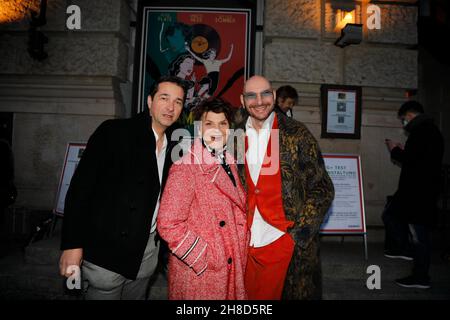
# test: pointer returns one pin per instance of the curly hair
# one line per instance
(216, 105)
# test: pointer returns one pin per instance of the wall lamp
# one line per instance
(345, 15)
(350, 34)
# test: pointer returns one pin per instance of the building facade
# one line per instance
(87, 76)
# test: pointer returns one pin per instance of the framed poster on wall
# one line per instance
(341, 111)
(209, 44)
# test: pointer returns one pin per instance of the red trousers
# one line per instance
(267, 267)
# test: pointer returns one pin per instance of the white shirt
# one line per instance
(262, 233)
(160, 159)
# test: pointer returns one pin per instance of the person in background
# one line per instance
(413, 208)
(287, 97)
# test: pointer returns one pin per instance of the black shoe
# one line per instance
(398, 255)
(412, 282)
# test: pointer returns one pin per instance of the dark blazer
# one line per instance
(112, 196)
(418, 190)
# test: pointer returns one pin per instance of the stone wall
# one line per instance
(66, 96)
(299, 50)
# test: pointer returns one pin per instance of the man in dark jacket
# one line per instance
(413, 208)
(110, 209)
(287, 97)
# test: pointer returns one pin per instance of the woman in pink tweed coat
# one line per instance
(202, 215)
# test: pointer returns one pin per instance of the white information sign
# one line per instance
(346, 214)
(73, 155)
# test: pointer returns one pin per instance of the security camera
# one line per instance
(350, 34)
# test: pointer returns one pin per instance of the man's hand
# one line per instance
(71, 257)
(391, 145)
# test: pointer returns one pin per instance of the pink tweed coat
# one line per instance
(202, 217)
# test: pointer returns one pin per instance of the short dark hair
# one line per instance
(172, 79)
(216, 105)
(285, 92)
(410, 106)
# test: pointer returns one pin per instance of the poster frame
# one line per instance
(337, 130)
(141, 86)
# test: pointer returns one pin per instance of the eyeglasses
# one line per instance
(252, 96)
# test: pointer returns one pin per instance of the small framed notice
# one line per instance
(74, 152)
(346, 214)
(341, 111)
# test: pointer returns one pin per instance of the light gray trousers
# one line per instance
(102, 284)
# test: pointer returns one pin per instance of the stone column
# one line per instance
(64, 97)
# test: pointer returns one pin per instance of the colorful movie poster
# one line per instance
(207, 48)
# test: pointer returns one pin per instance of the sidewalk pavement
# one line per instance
(344, 274)
(32, 273)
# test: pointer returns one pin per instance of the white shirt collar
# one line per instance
(157, 137)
